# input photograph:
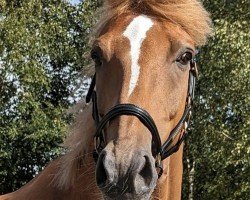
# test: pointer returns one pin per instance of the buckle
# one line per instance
(97, 143)
(186, 125)
(158, 165)
(189, 100)
(189, 116)
(194, 69)
(158, 160)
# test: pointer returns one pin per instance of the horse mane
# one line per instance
(77, 145)
(190, 15)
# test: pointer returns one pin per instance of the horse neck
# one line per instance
(169, 185)
(70, 176)
(44, 186)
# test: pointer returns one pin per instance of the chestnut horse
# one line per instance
(141, 98)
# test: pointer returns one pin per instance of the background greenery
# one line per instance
(43, 44)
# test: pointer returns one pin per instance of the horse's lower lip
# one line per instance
(129, 196)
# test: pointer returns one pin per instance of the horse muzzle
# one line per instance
(126, 176)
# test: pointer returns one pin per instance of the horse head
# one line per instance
(142, 94)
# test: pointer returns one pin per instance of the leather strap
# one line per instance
(141, 114)
(91, 89)
(166, 147)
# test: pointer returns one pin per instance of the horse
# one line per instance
(127, 143)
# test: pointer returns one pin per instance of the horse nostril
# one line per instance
(101, 173)
(146, 177)
(147, 172)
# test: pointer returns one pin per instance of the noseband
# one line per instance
(160, 151)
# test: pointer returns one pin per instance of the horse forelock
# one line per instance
(188, 14)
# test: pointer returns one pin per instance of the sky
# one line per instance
(74, 1)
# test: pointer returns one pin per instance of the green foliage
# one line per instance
(42, 46)
(218, 147)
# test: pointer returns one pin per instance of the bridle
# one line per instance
(161, 151)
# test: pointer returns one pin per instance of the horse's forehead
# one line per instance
(133, 33)
(127, 27)
(142, 27)
(138, 27)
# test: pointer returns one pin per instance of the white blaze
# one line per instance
(136, 33)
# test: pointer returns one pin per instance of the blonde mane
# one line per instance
(188, 14)
(77, 143)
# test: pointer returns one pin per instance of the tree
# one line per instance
(42, 48)
(42, 52)
(217, 151)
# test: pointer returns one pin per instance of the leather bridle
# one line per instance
(161, 151)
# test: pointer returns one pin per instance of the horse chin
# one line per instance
(128, 196)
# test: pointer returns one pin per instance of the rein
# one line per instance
(160, 151)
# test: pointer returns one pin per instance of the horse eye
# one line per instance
(185, 58)
(96, 58)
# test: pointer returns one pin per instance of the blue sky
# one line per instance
(74, 1)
